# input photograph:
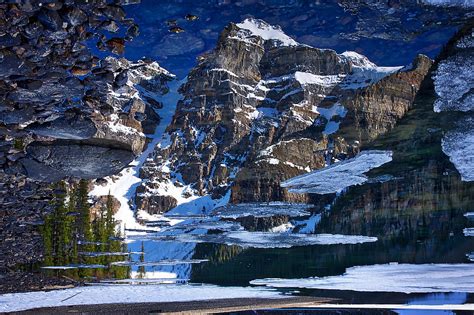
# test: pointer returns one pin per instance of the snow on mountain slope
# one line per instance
(364, 72)
(454, 86)
(458, 144)
(257, 27)
(124, 187)
(248, 95)
(454, 79)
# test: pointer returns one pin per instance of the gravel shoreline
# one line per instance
(191, 307)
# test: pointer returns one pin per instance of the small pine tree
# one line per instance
(109, 220)
(82, 206)
(84, 225)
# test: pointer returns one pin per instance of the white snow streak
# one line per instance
(124, 187)
(267, 32)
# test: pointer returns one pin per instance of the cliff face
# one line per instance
(261, 108)
(374, 110)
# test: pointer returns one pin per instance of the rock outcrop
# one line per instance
(261, 108)
(72, 114)
(104, 131)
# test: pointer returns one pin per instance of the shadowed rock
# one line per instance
(54, 161)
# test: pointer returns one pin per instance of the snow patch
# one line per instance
(266, 31)
(114, 294)
(323, 80)
(331, 127)
(458, 144)
(468, 232)
(283, 228)
(364, 72)
(453, 82)
(124, 187)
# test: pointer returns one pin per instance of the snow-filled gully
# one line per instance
(124, 187)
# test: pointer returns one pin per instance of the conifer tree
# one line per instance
(85, 229)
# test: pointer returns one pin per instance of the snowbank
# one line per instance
(128, 294)
(458, 144)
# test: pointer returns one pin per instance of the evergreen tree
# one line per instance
(110, 221)
(70, 223)
(58, 230)
(82, 206)
(84, 225)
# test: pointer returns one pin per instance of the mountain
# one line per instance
(261, 108)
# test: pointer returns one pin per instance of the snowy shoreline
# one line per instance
(117, 294)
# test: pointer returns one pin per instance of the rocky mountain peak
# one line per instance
(251, 27)
(261, 108)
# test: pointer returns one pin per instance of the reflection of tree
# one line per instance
(141, 269)
(216, 253)
(423, 201)
(68, 230)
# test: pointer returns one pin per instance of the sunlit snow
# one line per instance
(458, 144)
(124, 187)
(267, 32)
(114, 294)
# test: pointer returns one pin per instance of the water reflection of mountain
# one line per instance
(418, 220)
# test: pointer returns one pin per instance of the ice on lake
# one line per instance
(338, 176)
(404, 278)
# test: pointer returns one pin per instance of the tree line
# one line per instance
(72, 238)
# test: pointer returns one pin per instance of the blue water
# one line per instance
(387, 39)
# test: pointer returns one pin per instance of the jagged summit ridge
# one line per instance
(256, 27)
